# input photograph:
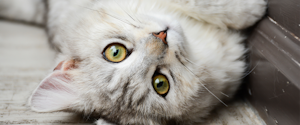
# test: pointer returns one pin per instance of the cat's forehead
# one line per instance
(104, 28)
(128, 20)
(124, 27)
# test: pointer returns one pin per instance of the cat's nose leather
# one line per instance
(162, 35)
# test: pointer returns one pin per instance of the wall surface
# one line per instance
(274, 83)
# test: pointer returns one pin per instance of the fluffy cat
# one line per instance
(141, 61)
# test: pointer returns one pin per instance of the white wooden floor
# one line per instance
(25, 58)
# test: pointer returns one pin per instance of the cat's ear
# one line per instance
(55, 92)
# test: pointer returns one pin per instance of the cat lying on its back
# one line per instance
(141, 61)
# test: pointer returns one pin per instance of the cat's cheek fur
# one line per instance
(55, 92)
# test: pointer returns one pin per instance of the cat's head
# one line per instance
(128, 66)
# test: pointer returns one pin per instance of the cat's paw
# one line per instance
(103, 122)
(248, 12)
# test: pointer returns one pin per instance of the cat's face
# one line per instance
(126, 88)
(124, 73)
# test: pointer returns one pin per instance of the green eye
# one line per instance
(160, 84)
(115, 53)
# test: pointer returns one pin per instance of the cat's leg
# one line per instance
(236, 14)
(103, 122)
(31, 11)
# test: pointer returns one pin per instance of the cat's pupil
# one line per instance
(160, 84)
(116, 52)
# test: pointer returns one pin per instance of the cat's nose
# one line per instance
(162, 35)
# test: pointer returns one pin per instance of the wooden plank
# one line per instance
(286, 13)
(25, 59)
(274, 84)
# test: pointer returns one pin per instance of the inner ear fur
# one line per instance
(55, 92)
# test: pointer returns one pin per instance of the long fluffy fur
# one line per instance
(203, 58)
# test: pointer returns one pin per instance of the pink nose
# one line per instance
(162, 35)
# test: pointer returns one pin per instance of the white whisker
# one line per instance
(124, 11)
(189, 61)
(110, 16)
(250, 71)
(206, 87)
(225, 94)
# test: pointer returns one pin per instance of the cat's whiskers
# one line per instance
(209, 73)
(190, 61)
(98, 11)
(249, 71)
(244, 76)
(125, 11)
(225, 94)
(205, 86)
(119, 19)
(87, 117)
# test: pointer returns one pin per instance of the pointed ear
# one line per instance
(55, 92)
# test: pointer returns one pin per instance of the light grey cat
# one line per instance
(140, 61)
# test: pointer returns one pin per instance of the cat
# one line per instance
(140, 61)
